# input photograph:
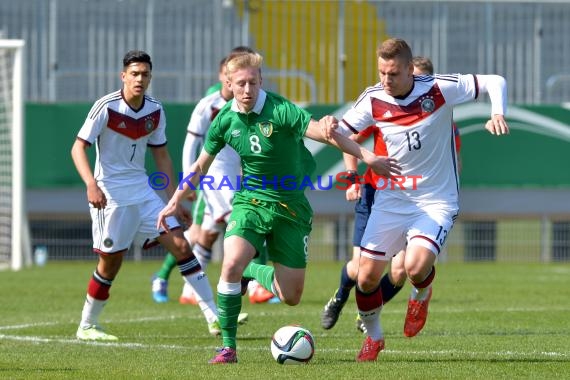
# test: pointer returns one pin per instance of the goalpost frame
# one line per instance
(21, 250)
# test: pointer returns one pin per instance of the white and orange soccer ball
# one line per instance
(292, 344)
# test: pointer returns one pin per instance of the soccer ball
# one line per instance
(292, 345)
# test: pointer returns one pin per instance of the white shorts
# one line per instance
(218, 201)
(387, 233)
(115, 228)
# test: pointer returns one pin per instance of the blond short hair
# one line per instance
(241, 60)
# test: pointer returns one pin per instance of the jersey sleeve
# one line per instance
(458, 88)
(199, 120)
(94, 123)
(296, 118)
(158, 137)
(358, 117)
(190, 150)
(215, 137)
(197, 129)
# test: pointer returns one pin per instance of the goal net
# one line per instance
(15, 247)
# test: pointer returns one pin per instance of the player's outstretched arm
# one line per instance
(164, 165)
(496, 87)
(384, 166)
(188, 184)
(353, 192)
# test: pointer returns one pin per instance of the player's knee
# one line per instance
(398, 276)
(181, 248)
(291, 297)
(292, 300)
(417, 274)
(208, 238)
(367, 284)
(352, 269)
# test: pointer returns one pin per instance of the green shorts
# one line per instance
(198, 207)
(284, 226)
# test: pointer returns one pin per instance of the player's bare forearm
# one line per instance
(385, 166)
(189, 183)
(95, 195)
(350, 162)
(324, 131)
(81, 161)
(191, 180)
(164, 165)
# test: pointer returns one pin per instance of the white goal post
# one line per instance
(15, 245)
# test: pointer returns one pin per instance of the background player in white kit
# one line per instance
(123, 206)
(415, 117)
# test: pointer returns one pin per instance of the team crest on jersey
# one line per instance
(427, 104)
(231, 225)
(266, 128)
(148, 125)
(108, 242)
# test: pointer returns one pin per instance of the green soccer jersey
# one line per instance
(213, 88)
(276, 165)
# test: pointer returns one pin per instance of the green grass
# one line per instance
(486, 321)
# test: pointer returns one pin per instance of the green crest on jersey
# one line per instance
(266, 128)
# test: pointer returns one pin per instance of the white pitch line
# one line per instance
(26, 325)
(38, 339)
(131, 345)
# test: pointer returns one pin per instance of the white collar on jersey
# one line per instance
(258, 105)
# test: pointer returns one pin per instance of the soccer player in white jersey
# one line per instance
(363, 193)
(415, 210)
(122, 204)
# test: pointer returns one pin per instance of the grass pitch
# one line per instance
(486, 321)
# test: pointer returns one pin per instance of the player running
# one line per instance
(267, 132)
(415, 117)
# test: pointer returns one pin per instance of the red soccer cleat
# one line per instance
(260, 295)
(416, 316)
(188, 299)
(370, 350)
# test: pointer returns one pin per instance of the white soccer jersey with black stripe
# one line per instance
(121, 135)
(417, 132)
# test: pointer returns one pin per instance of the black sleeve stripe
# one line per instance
(476, 86)
(367, 91)
(101, 103)
(85, 141)
(449, 77)
(350, 127)
(152, 100)
(155, 145)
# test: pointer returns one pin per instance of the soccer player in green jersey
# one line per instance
(266, 131)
